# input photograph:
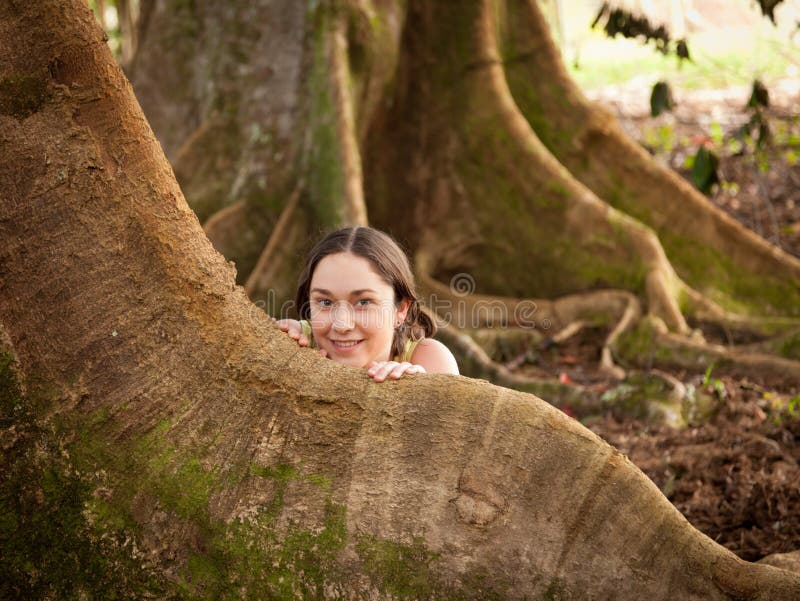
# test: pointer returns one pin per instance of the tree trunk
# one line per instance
(457, 129)
(243, 466)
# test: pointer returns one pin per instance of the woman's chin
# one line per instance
(353, 359)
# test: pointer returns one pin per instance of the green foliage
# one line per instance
(759, 95)
(714, 384)
(782, 409)
(768, 8)
(618, 21)
(661, 99)
(659, 139)
(705, 170)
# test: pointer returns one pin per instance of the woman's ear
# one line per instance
(402, 310)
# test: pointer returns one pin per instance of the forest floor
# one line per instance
(735, 476)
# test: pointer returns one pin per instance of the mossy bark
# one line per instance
(242, 465)
(710, 251)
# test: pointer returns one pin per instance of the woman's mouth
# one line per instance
(346, 344)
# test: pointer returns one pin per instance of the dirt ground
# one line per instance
(736, 476)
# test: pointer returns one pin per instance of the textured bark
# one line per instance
(245, 466)
(711, 251)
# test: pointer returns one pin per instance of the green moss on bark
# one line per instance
(52, 544)
(405, 571)
(324, 168)
(718, 276)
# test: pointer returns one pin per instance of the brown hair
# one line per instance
(389, 261)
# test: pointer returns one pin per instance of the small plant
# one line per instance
(793, 407)
(705, 170)
(660, 139)
(661, 99)
(780, 409)
(714, 385)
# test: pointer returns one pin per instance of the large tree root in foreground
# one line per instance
(242, 463)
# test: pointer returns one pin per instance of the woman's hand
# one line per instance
(294, 330)
(380, 370)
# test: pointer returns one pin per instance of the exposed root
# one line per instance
(784, 561)
(704, 309)
(476, 362)
(277, 258)
(207, 187)
(620, 168)
(651, 344)
(678, 387)
(350, 156)
(567, 314)
(585, 212)
(215, 226)
(568, 331)
(239, 232)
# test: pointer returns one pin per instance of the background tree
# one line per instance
(178, 418)
(459, 132)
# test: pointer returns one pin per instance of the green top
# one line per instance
(408, 350)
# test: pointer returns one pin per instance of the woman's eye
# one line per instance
(363, 302)
(324, 302)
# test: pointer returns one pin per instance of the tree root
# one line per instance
(239, 232)
(567, 314)
(663, 290)
(584, 212)
(349, 154)
(621, 171)
(785, 561)
(197, 168)
(474, 360)
(652, 344)
(278, 261)
(736, 326)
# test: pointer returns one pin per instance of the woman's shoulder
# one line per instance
(434, 356)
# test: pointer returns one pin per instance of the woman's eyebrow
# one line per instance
(353, 293)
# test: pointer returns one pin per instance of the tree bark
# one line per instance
(244, 466)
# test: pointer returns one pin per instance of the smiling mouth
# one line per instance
(346, 343)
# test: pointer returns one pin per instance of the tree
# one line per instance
(240, 464)
(457, 129)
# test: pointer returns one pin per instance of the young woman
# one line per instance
(358, 304)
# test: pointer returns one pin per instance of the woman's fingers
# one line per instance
(380, 370)
(294, 330)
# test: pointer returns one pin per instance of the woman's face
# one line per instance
(353, 313)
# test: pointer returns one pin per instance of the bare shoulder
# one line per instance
(435, 357)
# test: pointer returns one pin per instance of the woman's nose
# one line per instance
(343, 318)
